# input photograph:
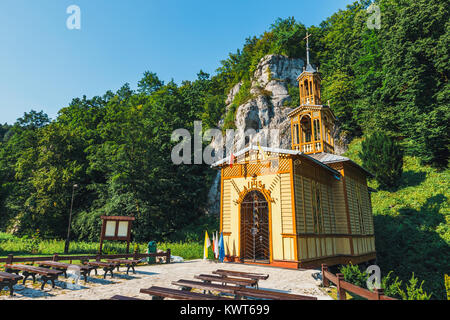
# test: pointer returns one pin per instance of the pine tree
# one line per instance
(384, 158)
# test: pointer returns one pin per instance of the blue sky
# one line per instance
(44, 65)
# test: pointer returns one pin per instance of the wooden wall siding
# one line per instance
(352, 205)
(259, 167)
(368, 216)
(363, 245)
(307, 198)
(299, 204)
(234, 171)
(340, 214)
(358, 193)
(288, 249)
(310, 247)
(227, 203)
(286, 203)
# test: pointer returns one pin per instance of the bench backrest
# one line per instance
(249, 275)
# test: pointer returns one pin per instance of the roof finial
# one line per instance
(307, 47)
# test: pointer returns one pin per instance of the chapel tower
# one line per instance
(311, 123)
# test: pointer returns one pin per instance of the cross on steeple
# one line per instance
(307, 46)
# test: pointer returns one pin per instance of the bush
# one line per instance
(354, 275)
(390, 286)
(413, 292)
(382, 156)
(447, 286)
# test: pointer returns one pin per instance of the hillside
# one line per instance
(116, 148)
(412, 224)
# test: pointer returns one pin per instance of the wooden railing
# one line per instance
(343, 287)
(56, 257)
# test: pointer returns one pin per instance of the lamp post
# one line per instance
(66, 247)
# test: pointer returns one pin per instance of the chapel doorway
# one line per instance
(255, 235)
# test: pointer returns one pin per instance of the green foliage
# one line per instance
(32, 244)
(447, 286)
(391, 286)
(19, 247)
(413, 292)
(294, 93)
(354, 275)
(241, 98)
(412, 224)
(117, 148)
(382, 156)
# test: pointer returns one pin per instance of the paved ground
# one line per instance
(304, 282)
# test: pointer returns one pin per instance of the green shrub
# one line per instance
(354, 275)
(447, 286)
(413, 292)
(391, 286)
(382, 156)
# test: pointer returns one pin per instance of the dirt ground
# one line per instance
(304, 282)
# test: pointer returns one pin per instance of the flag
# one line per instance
(213, 243)
(222, 248)
(207, 244)
(232, 157)
(216, 246)
(261, 151)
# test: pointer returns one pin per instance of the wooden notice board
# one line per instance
(116, 228)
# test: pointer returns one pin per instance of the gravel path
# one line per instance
(304, 282)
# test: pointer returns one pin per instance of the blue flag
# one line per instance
(221, 248)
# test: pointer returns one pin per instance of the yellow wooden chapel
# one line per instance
(300, 207)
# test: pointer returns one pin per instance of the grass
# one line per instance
(412, 224)
(10, 244)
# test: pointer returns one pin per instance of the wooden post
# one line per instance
(168, 256)
(9, 259)
(55, 257)
(325, 281)
(102, 234)
(340, 292)
(136, 253)
(97, 258)
(379, 293)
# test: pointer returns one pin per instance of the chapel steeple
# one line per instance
(309, 81)
(312, 123)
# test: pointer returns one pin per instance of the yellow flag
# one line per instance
(207, 244)
(261, 151)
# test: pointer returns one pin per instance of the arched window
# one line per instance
(305, 124)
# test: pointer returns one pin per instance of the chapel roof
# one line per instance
(328, 158)
(276, 150)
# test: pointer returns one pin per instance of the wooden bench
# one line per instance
(227, 280)
(240, 292)
(159, 293)
(107, 267)
(130, 264)
(45, 273)
(84, 269)
(9, 280)
(123, 298)
(240, 274)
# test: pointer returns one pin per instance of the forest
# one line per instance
(116, 147)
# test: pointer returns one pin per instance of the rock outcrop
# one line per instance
(270, 103)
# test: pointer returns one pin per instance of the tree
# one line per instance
(382, 156)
